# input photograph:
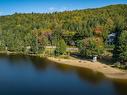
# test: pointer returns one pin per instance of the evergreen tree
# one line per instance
(120, 53)
(119, 28)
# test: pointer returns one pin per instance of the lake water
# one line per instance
(23, 75)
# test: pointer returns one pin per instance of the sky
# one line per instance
(8, 7)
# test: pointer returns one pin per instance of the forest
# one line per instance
(87, 29)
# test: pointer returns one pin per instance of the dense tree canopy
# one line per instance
(91, 47)
(35, 30)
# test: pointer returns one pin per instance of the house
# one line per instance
(111, 38)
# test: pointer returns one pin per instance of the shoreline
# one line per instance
(20, 53)
(109, 72)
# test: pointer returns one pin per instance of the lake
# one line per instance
(24, 75)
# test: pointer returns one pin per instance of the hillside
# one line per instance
(22, 30)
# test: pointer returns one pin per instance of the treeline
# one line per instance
(87, 29)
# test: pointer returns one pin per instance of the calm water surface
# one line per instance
(23, 75)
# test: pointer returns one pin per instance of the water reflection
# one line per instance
(39, 63)
(34, 75)
(120, 86)
(84, 74)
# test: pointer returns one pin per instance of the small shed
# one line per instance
(95, 58)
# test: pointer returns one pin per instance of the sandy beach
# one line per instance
(108, 71)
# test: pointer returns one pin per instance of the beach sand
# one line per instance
(108, 71)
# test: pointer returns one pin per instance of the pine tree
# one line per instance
(120, 53)
(119, 32)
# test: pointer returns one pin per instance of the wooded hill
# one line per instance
(20, 30)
